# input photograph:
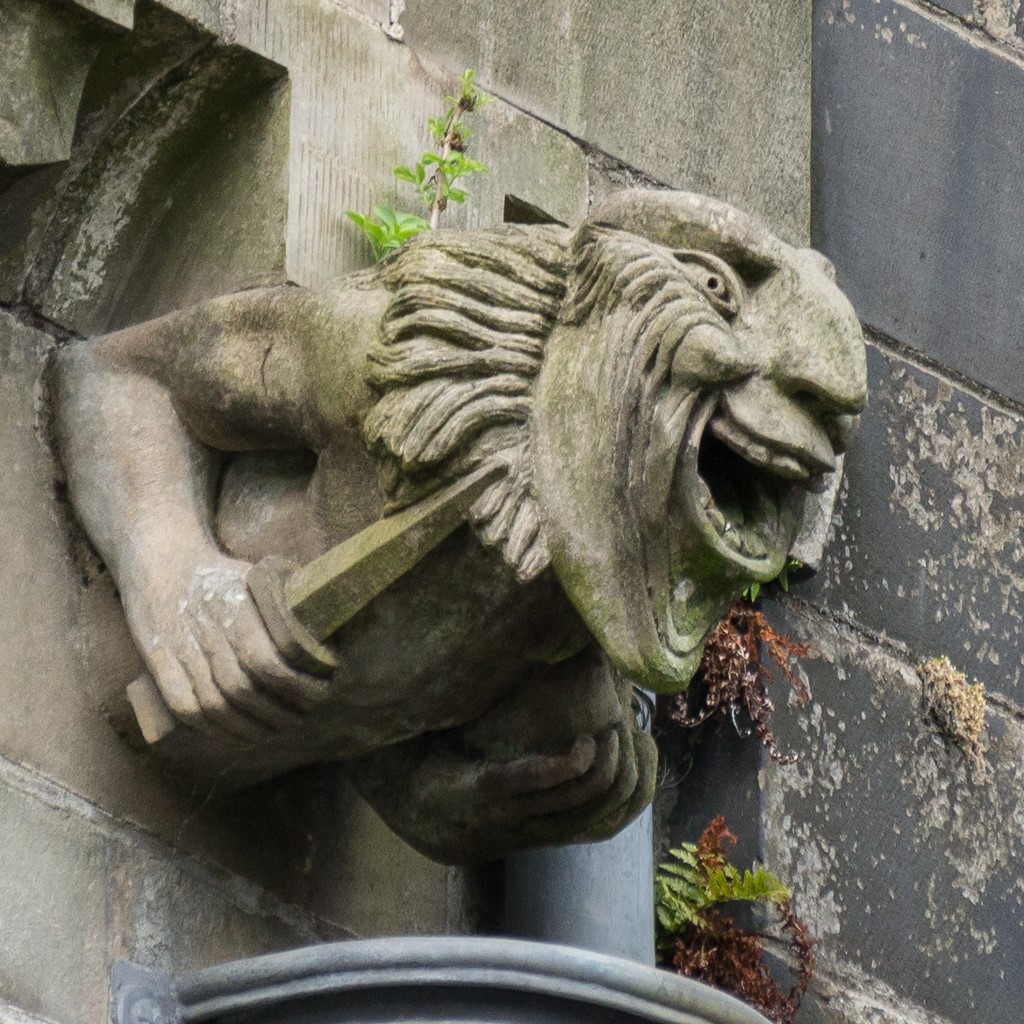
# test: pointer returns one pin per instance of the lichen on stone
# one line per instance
(957, 708)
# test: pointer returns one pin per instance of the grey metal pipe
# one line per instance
(596, 896)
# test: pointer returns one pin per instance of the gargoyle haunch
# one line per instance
(634, 415)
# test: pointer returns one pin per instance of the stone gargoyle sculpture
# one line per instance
(438, 519)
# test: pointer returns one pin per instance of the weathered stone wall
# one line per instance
(155, 155)
(151, 157)
(906, 862)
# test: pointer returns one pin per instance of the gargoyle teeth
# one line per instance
(706, 500)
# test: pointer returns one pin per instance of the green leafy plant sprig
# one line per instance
(433, 177)
(751, 591)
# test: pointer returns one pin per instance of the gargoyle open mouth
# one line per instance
(744, 494)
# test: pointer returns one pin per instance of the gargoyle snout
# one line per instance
(825, 383)
(823, 363)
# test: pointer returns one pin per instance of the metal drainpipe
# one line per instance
(597, 896)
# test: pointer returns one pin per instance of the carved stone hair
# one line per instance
(460, 346)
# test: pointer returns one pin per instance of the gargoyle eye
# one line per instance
(714, 285)
(714, 278)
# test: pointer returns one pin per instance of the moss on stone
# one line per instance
(957, 708)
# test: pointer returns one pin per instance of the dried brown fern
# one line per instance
(734, 676)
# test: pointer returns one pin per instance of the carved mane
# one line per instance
(460, 346)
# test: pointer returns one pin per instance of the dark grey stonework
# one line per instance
(928, 540)
(961, 8)
(906, 861)
(917, 170)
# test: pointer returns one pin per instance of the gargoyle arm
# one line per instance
(131, 406)
(141, 416)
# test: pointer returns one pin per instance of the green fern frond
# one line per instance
(689, 885)
(758, 885)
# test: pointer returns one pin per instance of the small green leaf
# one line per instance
(386, 215)
(404, 174)
(410, 221)
(676, 869)
(438, 126)
(784, 575)
(752, 886)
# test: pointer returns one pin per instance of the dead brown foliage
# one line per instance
(735, 676)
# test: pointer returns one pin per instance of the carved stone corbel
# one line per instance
(530, 468)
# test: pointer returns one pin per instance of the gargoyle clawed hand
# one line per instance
(207, 648)
(652, 399)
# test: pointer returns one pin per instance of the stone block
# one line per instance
(360, 105)
(916, 173)
(181, 198)
(928, 536)
(45, 205)
(378, 885)
(78, 891)
(46, 52)
(703, 95)
(906, 863)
